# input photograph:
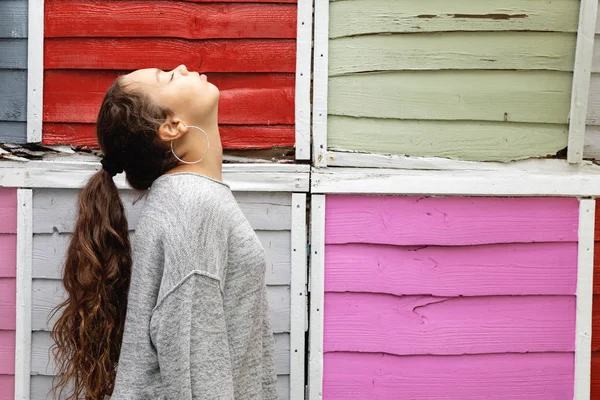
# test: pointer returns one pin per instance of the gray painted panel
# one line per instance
(13, 132)
(13, 53)
(13, 95)
(13, 19)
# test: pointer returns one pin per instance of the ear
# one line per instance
(172, 129)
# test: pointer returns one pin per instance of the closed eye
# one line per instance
(172, 75)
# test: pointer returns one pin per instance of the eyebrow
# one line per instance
(157, 74)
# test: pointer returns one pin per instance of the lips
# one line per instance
(204, 78)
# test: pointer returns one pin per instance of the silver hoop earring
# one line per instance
(205, 153)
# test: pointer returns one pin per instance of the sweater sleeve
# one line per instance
(189, 331)
(269, 376)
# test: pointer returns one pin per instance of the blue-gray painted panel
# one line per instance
(13, 19)
(13, 132)
(13, 53)
(13, 95)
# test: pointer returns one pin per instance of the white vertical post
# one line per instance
(582, 69)
(298, 298)
(317, 297)
(585, 275)
(24, 276)
(35, 70)
(303, 67)
(320, 83)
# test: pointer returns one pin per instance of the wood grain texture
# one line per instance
(8, 255)
(591, 147)
(506, 269)
(76, 18)
(593, 112)
(596, 324)
(14, 53)
(13, 91)
(13, 132)
(7, 385)
(492, 376)
(466, 140)
(55, 209)
(7, 352)
(256, 55)
(13, 20)
(516, 96)
(595, 378)
(8, 210)
(452, 50)
(408, 325)
(8, 298)
(359, 17)
(49, 293)
(232, 136)
(449, 221)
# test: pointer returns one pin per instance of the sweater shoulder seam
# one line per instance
(183, 281)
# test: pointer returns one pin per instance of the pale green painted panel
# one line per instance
(466, 140)
(516, 96)
(453, 50)
(359, 17)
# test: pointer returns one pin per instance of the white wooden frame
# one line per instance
(298, 297)
(303, 75)
(35, 70)
(582, 69)
(317, 297)
(24, 287)
(320, 81)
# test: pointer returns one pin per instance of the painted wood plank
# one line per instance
(8, 210)
(593, 110)
(516, 96)
(57, 208)
(466, 140)
(42, 362)
(320, 94)
(303, 87)
(8, 255)
(7, 352)
(76, 18)
(495, 377)
(35, 77)
(49, 293)
(591, 147)
(8, 298)
(595, 323)
(257, 55)
(232, 136)
(13, 92)
(359, 17)
(7, 386)
(449, 221)
(49, 252)
(14, 53)
(452, 50)
(13, 132)
(505, 269)
(595, 376)
(407, 325)
(13, 19)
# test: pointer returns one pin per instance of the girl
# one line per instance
(183, 313)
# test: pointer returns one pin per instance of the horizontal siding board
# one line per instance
(14, 53)
(591, 148)
(596, 322)
(7, 352)
(452, 50)
(413, 221)
(516, 96)
(593, 112)
(505, 269)
(409, 325)
(249, 55)
(8, 255)
(8, 210)
(76, 18)
(13, 95)
(595, 374)
(56, 209)
(8, 301)
(47, 294)
(13, 19)
(467, 140)
(358, 17)
(7, 384)
(13, 132)
(533, 376)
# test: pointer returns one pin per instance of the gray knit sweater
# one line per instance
(197, 324)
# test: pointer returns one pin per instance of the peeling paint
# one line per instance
(428, 16)
(489, 16)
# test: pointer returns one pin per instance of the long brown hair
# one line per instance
(97, 269)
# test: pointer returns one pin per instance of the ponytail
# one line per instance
(96, 276)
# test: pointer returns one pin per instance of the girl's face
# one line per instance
(187, 94)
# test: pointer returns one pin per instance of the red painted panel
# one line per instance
(259, 55)
(79, 18)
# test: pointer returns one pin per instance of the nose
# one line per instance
(182, 69)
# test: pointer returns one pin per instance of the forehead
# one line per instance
(147, 75)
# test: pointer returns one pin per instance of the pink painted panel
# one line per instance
(491, 377)
(7, 387)
(8, 210)
(8, 307)
(449, 221)
(409, 325)
(7, 352)
(501, 269)
(8, 255)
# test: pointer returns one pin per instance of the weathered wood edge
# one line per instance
(317, 297)
(320, 81)
(298, 296)
(303, 76)
(585, 276)
(24, 294)
(584, 53)
(35, 70)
